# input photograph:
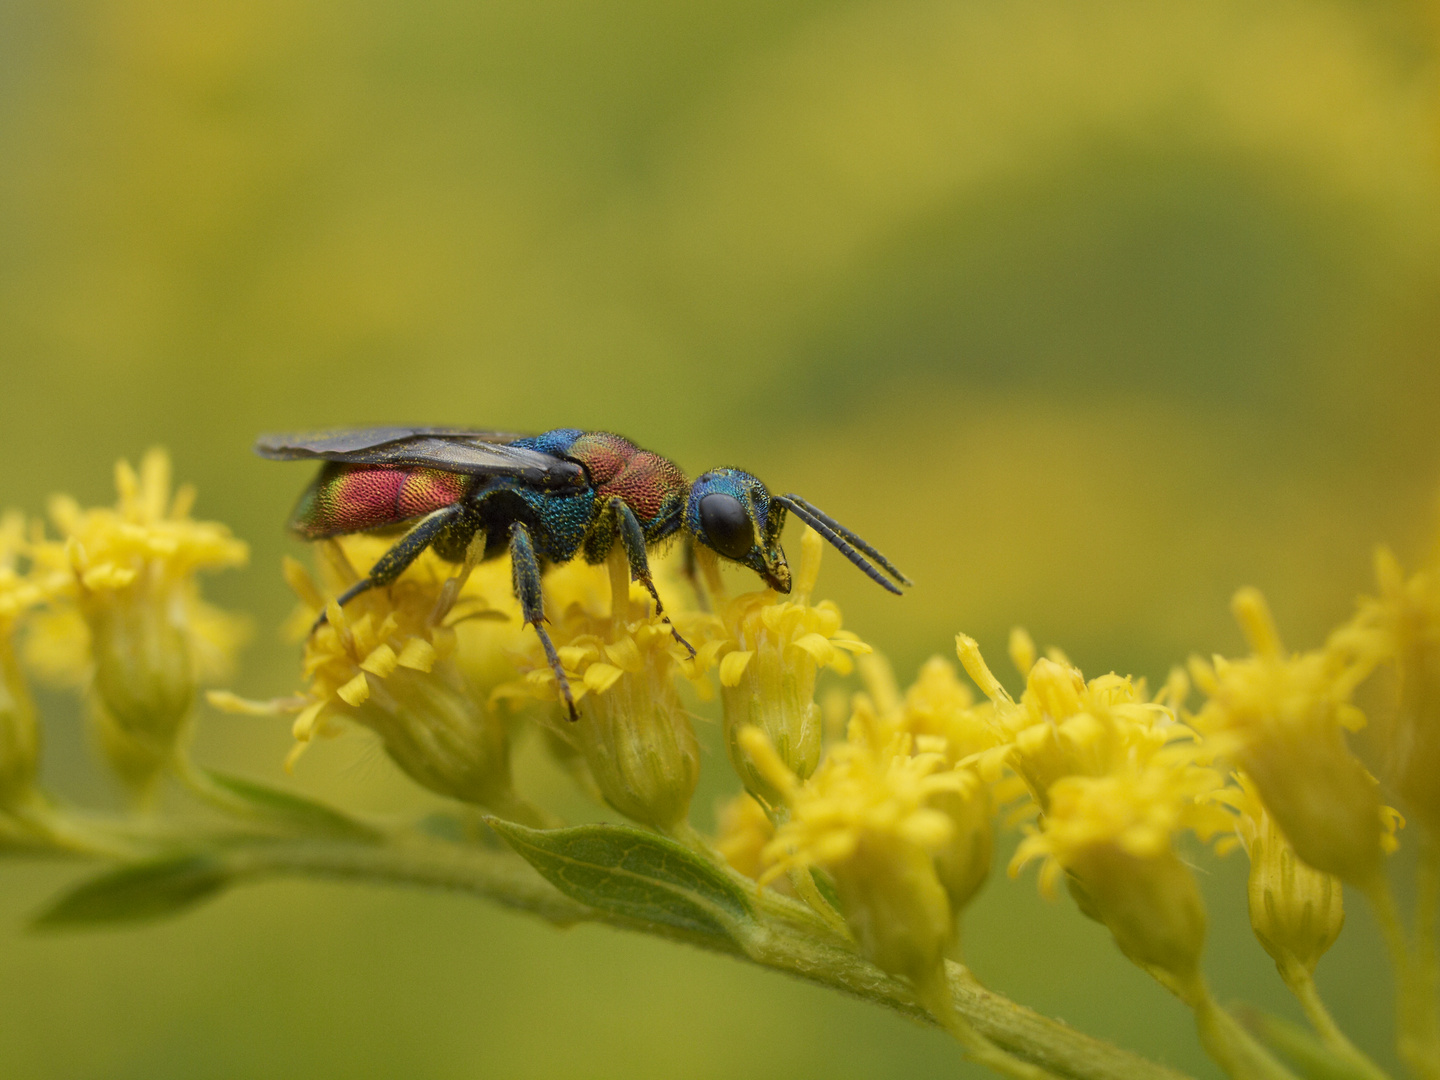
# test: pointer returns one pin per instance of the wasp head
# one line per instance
(732, 514)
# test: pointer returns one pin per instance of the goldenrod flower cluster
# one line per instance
(887, 831)
(118, 611)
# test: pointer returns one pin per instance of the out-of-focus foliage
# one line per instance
(1085, 315)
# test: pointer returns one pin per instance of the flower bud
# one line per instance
(640, 746)
(767, 679)
(1295, 911)
(895, 906)
(440, 736)
(1151, 905)
(963, 863)
(144, 672)
(1281, 718)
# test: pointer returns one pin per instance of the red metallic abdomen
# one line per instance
(356, 498)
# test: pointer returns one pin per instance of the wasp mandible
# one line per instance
(545, 499)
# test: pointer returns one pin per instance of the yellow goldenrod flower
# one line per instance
(622, 662)
(386, 662)
(1401, 627)
(939, 711)
(742, 832)
(1296, 911)
(868, 815)
(773, 651)
(19, 732)
(132, 620)
(1111, 836)
(1281, 719)
(1064, 726)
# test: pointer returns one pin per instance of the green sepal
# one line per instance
(149, 890)
(297, 811)
(635, 874)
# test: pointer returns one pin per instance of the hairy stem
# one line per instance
(776, 941)
(1302, 984)
(1414, 1029)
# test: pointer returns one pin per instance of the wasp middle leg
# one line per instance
(525, 577)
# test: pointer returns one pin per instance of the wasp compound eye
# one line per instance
(727, 525)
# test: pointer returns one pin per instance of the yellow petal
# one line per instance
(356, 691)
(818, 647)
(380, 663)
(418, 655)
(600, 677)
(732, 668)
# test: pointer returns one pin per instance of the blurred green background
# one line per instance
(1085, 314)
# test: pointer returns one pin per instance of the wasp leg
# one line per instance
(393, 563)
(633, 537)
(525, 575)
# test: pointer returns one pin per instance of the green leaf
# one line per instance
(148, 890)
(635, 874)
(296, 810)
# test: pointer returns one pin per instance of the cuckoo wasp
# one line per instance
(545, 499)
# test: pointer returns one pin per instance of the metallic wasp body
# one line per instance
(545, 499)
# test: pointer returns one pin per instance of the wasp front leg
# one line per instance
(632, 538)
(525, 577)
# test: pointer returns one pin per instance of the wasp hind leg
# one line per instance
(394, 562)
(633, 539)
(525, 574)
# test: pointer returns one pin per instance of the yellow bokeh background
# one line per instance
(1084, 314)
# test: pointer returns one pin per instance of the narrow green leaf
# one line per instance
(148, 890)
(633, 873)
(296, 810)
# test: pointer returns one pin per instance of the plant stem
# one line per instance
(1229, 1045)
(1302, 984)
(1414, 1029)
(774, 942)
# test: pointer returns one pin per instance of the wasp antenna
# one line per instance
(884, 563)
(803, 512)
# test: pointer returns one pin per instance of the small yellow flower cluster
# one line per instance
(1114, 779)
(623, 663)
(124, 613)
(770, 654)
(1400, 627)
(388, 662)
(1282, 719)
(874, 815)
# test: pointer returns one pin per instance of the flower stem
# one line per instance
(1302, 984)
(1416, 1035)
(1229, 1045)
(780, 943)
(978, 1048)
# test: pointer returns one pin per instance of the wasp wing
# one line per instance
(478, 453)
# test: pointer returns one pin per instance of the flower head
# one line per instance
(19, 732)
(1112, 837)
(623, 663)
(1401, 627)
(869, 816)
(386, 662)
(771, 652)
(1295, 910)
(1281, 718)
(128, 614)
(1064, 726)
